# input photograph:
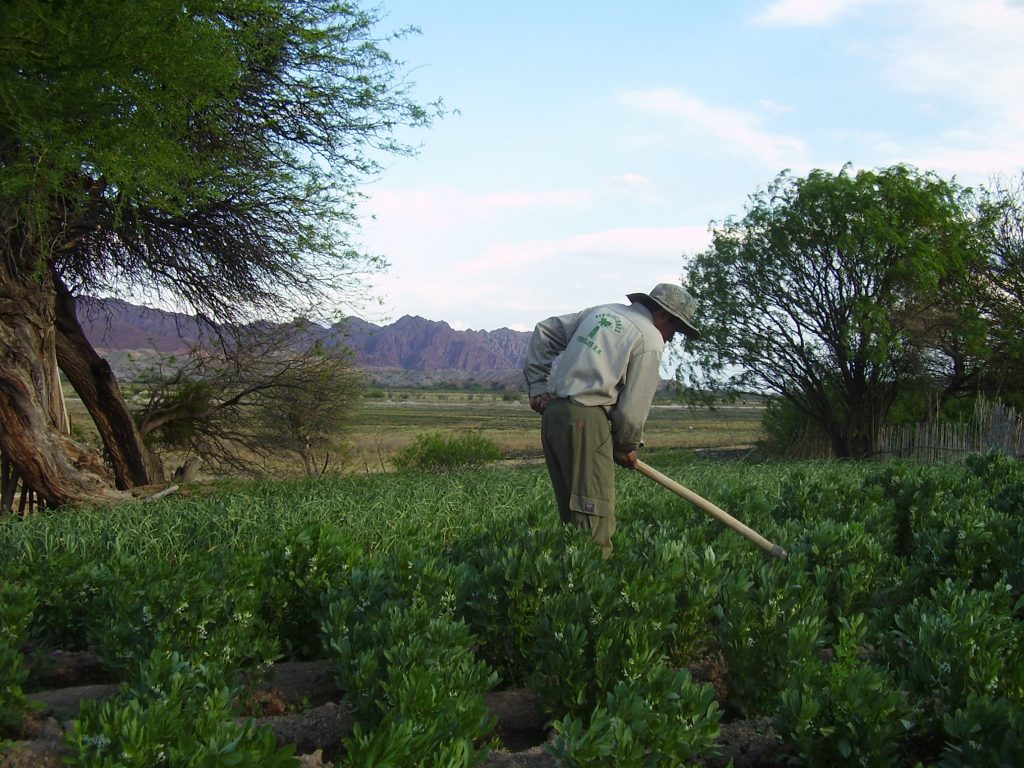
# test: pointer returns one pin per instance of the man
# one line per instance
(597, 401)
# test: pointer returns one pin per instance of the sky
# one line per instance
(592, 145)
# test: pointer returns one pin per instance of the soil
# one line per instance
(303, 706)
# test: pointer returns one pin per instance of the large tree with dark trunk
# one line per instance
(1002, 292)
(829, 293)
(206, 153)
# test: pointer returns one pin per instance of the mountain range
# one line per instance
(412, 350)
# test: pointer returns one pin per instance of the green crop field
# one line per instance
(891, 635)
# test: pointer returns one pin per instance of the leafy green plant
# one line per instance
(247, 570)
(753, 621)
(17, 604)
(686, 580)
(206, 610)
(408, 669)
(179, 714)
(293, 572)
(844, 709)
(437, 451)
(508, 585)
(847, 565)
(658, 718)
(596, 633)
(985, 731)
(954, 643)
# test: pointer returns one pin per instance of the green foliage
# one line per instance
(179, 715)
(986, 730)
(785, 427)
(844, 709)
(660, 717)
(597, 633)
(415, 686)
(294, 573)
(190, 402)
(753, 621)
(438, 451)
(508, 586)
(954, 643)
(178, 128)
(816, 292)
(902, 600)
(203, 610)
(17, 605)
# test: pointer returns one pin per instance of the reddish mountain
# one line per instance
(410, 343)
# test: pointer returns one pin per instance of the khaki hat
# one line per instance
(674, 300)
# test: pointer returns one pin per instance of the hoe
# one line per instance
(710, 508)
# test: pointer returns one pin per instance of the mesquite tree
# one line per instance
(822, 292)
(207, 152)
(1002, 291)
(246, 398)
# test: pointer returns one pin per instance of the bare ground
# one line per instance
(303, 706)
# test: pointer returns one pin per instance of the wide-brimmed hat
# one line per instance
(674, 300)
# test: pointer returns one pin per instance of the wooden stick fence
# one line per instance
(995, 427)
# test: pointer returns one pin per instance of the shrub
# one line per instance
(841, 711)
(180, 715)
(409, 672)
(752, 627)
(659, 718)
(17, 604)
(955, 643)
(985, 731)
(436, 451)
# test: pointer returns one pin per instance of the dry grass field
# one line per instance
(386, 421)
(384, 425)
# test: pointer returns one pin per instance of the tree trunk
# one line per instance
(861, 427)
(58, 469)
(95, 383)
(309, 460)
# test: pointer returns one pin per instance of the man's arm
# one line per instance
(634, 403)
(549, 340)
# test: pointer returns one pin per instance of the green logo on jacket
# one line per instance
(603, 321)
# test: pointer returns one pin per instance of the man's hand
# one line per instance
(540, 402)
(624, 459)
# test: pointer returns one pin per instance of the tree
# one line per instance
(206, 153)
(816, 293)
(246, 397)
(1002, 290)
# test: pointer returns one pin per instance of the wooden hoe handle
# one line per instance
(710, 508)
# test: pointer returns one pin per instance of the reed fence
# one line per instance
(994, 427)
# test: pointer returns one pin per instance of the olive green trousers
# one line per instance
(577, 443)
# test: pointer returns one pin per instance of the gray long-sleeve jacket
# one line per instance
(611, 357)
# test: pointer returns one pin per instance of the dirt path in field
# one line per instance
(302, 705)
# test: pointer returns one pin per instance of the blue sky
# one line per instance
(596, 141)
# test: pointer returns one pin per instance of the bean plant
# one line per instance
(890, 636)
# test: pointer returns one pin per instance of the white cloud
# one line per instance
(958, 63)
(809, 13)
(970, 51)
(514, 284)
(737, 131)
(442, 207)
(629, 246)
(964, 64)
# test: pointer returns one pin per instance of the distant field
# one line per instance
(383, 425)
(388, 421)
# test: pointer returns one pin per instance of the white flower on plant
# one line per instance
(99, 742)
